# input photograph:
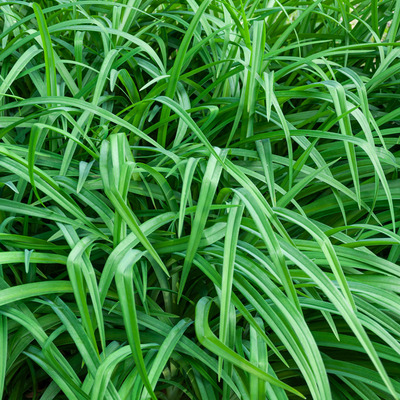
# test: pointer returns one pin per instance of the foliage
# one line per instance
(199, 199)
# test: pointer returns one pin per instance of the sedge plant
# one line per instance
(199, 199)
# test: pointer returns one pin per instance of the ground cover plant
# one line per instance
(199, 199)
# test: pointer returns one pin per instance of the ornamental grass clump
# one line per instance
(199, 200)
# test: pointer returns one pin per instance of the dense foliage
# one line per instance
(199, 199)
